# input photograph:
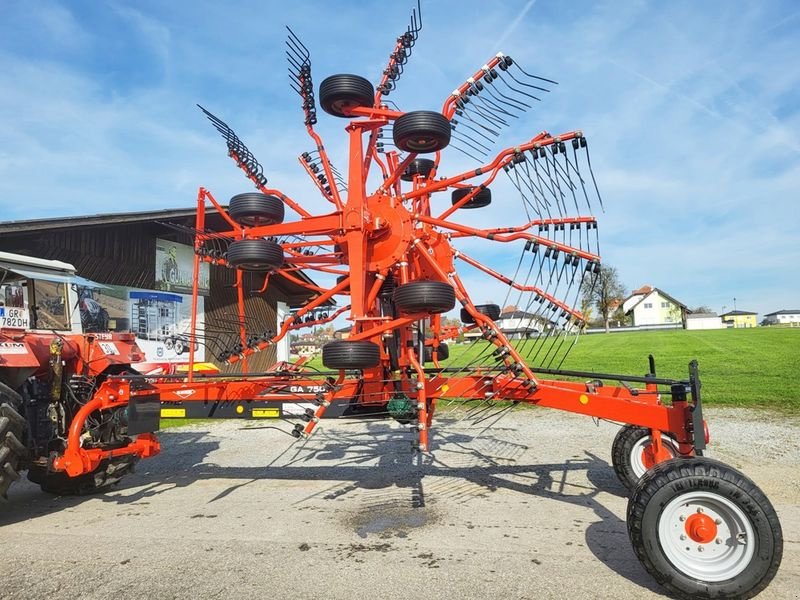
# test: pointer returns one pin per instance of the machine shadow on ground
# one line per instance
(377, 458)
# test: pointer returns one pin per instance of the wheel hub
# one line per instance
(701, 528)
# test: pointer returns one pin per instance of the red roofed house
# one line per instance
(652, 306)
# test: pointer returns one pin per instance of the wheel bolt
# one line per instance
(699, 548)
(700, 510)
(718, 521)
(683, 537)
(682, 518)
(718, 541)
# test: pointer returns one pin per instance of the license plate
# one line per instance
(14, 318)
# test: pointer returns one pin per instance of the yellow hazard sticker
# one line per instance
(265, 413)
(445, 387)
(173, 413)
(584, 399)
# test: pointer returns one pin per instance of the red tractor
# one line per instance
(391, 238)
(49, 370)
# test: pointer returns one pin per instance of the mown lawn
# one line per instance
(738, 367)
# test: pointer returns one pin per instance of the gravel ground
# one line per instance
(528, 509)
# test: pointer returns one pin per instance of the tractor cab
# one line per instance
(43, 295)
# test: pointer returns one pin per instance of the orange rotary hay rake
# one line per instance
(391, 237)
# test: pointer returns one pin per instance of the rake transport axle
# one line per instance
(391, 234)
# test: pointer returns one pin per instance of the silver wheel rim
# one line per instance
(721, 558)
(637, 461)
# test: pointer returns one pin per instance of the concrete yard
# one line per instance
(528, 509)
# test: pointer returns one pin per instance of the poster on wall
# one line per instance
(175, 268)
(161, 321)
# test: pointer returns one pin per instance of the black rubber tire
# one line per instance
(424, 296)
(13, 453)
(108, 474)
(343, 354)
(421, 131)
(418, 166)
(481, 199)
(622, 452)
(255, 208)
(442, 354)
(255, 255)
(671, 479)
(490, 310)
(339, 92)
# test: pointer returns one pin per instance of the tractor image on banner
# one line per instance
(394, 233)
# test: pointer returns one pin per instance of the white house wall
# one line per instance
(656, 310)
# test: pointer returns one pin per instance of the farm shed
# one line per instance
(143, 261)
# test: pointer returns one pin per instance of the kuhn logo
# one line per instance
(184, 393)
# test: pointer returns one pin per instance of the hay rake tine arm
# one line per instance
(517, 286)
(543, 241)
(529, 225)
(504, 157)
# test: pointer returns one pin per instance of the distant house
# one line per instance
(342, 334)
(704, 321)
(518, 324)
(304, 348)
(781, 317)
(652, 306)
(740, 319)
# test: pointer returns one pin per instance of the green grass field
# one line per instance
(738, 367)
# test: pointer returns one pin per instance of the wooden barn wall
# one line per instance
(221, 313)
(102, 254)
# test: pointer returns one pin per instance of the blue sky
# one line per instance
(692, 111)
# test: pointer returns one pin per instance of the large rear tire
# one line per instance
(13, 453)
(702, 529)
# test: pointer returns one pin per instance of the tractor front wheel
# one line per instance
(13, 426)
(704, 530)
(632, 453)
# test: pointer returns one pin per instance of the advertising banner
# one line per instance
(161, 321)
(175, 268)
